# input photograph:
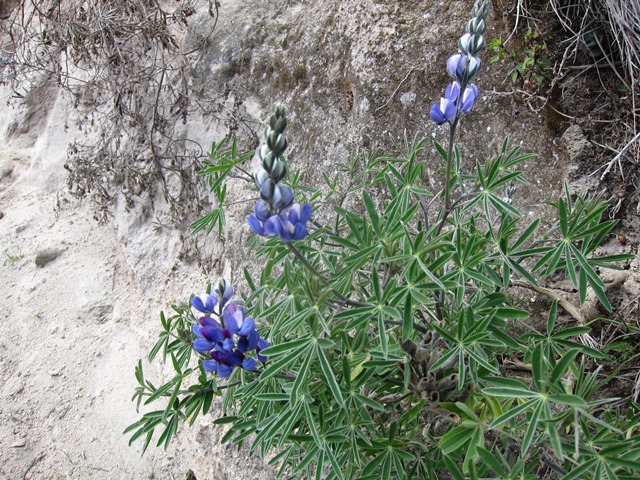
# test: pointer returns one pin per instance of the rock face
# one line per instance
(354, 75)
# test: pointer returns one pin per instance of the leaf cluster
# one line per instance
(394, 326)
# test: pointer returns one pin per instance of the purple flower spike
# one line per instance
(226, 339)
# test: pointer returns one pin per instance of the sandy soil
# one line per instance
(74, 320)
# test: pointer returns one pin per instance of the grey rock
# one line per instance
(47, 255)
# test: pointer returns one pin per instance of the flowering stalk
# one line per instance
(270, 217)
(460, 95)
(224, 335)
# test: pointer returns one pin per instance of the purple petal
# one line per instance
(437, 115)
(452, 91)
(228, 293)
(196, 331)
(305, 213)
(262, 210)
(269, 226)
(224, 371)
(300, 231)
(253, 340)
(228, 345)
(204, 303)
(248, 326)
(234, 321)
(212, 334)
(235, 358)
(468, 98)
(255, 225)
(208, 322)
(202, 346)
(262, 344)
(448, 108)
(249, 364)
(294, 213)
(243, 344)
(453, 62)
(286, 197)
(210, 366)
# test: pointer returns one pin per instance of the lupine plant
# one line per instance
(376, 342)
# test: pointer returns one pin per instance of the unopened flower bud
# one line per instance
(480, 9)
(267, 189)
(476, 26)
(261, 176)
(473, 67)
(268, 161)
(470, 44)
(278, 170)
(280, 145)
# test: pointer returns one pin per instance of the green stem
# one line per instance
(311, 268)
(447, 189)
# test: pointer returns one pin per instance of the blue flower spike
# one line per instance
(270, 217)
(230, 339)
(461, 95)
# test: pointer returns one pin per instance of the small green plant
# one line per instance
(530, 67)
(376, 345)
(12, 258)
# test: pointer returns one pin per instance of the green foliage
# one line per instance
(221, 165)
(529, 65)
(183, 404)
(390, 331)
(394, 325)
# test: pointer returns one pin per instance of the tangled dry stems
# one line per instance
(129, 76)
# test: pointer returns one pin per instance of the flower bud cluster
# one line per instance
(270, 217)
(224, 334)
(460, 95)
